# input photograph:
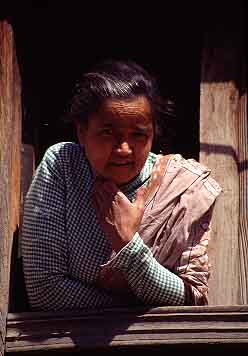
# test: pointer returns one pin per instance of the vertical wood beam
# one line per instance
(223, 147)
(10, 144)
(243, 190)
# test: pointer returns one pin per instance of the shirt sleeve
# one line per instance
(150, 281)
(49, 284)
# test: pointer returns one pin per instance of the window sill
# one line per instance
(125, 328)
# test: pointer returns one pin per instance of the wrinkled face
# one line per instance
(118, 138)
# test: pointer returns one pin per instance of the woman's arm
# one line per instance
(149, 281)
(152, 282)
(135, 269)
(44, 246)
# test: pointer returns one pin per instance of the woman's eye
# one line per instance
(139, 134)
(107, 132)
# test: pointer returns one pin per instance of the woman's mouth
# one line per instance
(121, 164)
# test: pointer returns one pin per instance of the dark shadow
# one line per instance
(169, 350)
(224, 52)
(225, 150)
(56, 44)
(18, 300)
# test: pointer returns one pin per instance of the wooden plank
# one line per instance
(219, 126)
(10, 139)
(128, 311)
(243, 186)
(115, 328)
(218, 152)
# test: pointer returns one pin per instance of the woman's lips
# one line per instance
(121, 164)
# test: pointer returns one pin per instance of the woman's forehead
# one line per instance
(115, 109)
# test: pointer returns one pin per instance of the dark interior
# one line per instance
(56, 43)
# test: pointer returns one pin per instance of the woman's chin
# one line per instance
(121, 180)
(120, 175)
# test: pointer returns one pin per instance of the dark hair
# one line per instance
(120, 80)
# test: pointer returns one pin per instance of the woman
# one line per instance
(106, 221)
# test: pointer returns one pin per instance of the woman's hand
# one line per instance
(119, 218)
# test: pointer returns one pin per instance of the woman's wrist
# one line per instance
(119, 244)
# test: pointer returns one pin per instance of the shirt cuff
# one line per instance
(134, 252)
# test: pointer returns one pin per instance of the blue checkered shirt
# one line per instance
(64, 247)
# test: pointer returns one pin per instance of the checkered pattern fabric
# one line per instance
(64, 247)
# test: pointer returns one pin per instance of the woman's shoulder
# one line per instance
(63, 155)
(64, 151)
(177, 163)
(188, 170)
(61, 148)
(190, 164)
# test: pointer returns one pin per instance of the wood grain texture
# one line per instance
(243, 191)
(222, 138)
(10, 139)
(78, 331)
(218, 136)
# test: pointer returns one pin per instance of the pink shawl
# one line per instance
(176, 223)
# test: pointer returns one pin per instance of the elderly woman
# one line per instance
(106, 221)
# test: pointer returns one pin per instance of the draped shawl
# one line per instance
(176, 221)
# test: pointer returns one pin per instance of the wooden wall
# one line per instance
(223, 145)
(10, 141)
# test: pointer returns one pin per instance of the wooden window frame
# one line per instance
(147, 328)
(126, 328)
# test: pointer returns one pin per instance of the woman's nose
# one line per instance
(123, 148)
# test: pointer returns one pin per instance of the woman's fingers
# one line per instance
(103, 197)
(140, 198)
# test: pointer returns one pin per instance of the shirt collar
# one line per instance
(143, 178)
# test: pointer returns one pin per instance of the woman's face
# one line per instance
(118, 138)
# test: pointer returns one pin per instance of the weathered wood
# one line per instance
(218, 144)
(220, 120)
(243, 189)
(127, 327)
(10, 139)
